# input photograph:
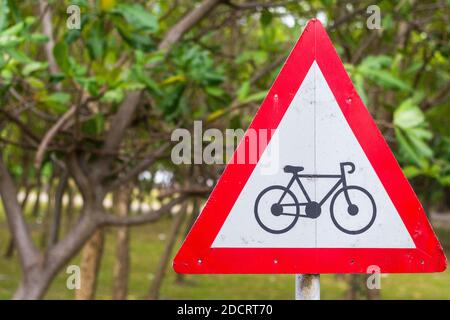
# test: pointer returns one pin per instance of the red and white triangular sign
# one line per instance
(326, 194)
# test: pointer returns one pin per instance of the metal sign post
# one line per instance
(307, 287)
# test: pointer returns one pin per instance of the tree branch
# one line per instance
(111, 220)
(50, 134)
(186, 23)
(141, 166)
(28, 253)
(440, 97)
(66, 248)
(187, 191)
(47, 28)
(81, 179)
(346, 18)
(253, 5)
(128, 107)
(21, 125)
(120, 122)
(267, 69)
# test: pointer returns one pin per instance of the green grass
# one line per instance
(146, 248)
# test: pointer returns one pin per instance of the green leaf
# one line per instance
(33, 67)
(266, 17)
(377, 62)
(56, 77)
(408, 115)
(215, 91)
(439, 118)
(57, 101)
(9, 41)
(76, 68)
(35, 83)
(235, 122)
(72, 35)
(407, 149)
(387, 22)
(445, 180)
(412, 171)
(132, 86)
(113, 96)
(61, 53)
(13, 30)
(89, 83)
(421, 133)
(384, 78)
(412, 132)
(18, 55)
(4, 11)
(151, 85)
(243, 91)
(38, 37)
(30, 20)
(106, 5)
(136, 40)
(258, 56)
(359, 85)
(255, 97)
(419, 144)
(216, 114)
(95, 125)
(96, 41)
(137, 16)
(7, 74)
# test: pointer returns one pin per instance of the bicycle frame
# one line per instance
(297, 178)
(313, 207)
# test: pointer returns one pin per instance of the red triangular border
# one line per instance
(196, 254)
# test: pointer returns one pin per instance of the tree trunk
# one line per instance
(194, 214)
(356, 286)
(70, 207)
(37, 202)
(161, 270)
(9, 252)
(38, 276)
(122, 204)
(372, 294)
(32, 288)
(141, 201)
(48, 213)
(23, 205)
(90, 265)
(56, 224)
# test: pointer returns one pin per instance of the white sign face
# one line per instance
(325, 193)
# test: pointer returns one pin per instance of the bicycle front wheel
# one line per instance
(353, 210)
(273, 215)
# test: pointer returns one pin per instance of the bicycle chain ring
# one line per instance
(313, 210)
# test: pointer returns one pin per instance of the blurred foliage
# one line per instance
(400, 71)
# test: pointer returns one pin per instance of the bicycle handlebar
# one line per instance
(350, 164)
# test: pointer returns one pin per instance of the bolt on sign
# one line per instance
(339, 201)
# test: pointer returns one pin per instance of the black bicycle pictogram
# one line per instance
(268, 202)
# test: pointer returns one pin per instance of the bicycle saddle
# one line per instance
(293, 169)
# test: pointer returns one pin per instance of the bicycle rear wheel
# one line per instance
(275, 216)
(357, 216)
